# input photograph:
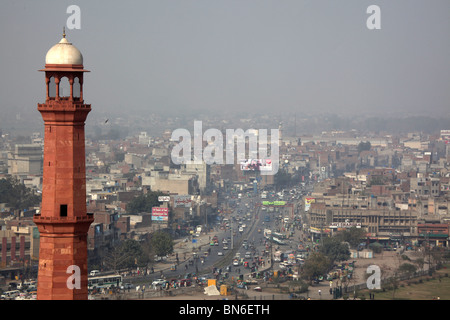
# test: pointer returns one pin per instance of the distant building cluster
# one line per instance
(394, 187)
(398, 191)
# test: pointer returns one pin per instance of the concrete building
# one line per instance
(25, 159)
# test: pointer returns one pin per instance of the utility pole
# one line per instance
(232, 237)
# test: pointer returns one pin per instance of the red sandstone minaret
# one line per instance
(63, 221)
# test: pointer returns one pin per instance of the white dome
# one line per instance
(64, 53)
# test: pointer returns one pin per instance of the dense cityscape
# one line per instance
(393, 187)
(258, 154)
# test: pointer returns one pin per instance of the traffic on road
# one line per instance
(262, 235)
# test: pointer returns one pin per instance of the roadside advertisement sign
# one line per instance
(308, 202)
(182, 201)
(256, 165)
(160, 214)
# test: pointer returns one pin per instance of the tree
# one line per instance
(364, 146)
(162, 243)
(282, 179)
(407, 268)
(316, 265)
(376, 247)
(335, 250)
(394, 281)
(144, 202)
(115, 259)
(420, 263)
(16, 195)
(133, 254)
(352, 235)
(437, 257)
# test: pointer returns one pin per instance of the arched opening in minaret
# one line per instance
(76, 87)
(64, 87)
(52, 88)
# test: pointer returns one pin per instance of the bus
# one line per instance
(106, 282)
(279, 235)
(278, 241)
(10, 295)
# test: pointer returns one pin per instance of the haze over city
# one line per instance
(196, 58)
(120, 178)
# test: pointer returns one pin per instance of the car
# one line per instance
(225, 247)
(235, 262)
(31, 287)
(184, 282)
(248, 255)
(126, 286)
(220, 253)
(158, 282)
(94, 273)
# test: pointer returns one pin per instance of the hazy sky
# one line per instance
(254, 55)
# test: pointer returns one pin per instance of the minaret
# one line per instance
(63, 221)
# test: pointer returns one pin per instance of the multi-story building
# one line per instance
(25, 159)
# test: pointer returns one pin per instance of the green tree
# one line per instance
(364, 146)
(144, 202)
(132, 254)
(16, 195)
(376, 181)
(376, 247)
(335, 250)
(352, 235)
(162, 243)
(282, 179)
(317, 264)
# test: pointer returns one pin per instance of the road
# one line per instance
(248, 212)
(245, 213)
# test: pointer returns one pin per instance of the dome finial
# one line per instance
(64, 32)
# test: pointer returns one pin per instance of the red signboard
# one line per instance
(160, 214)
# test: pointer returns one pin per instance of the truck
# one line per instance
(214, 241)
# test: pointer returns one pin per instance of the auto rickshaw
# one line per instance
(173, 267)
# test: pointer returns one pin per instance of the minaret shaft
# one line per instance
(63, 221)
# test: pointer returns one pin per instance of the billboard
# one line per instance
(163, 198)
(308, 202)
(160, 214)
(256, 165)
(182, 201)
(274, 203)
